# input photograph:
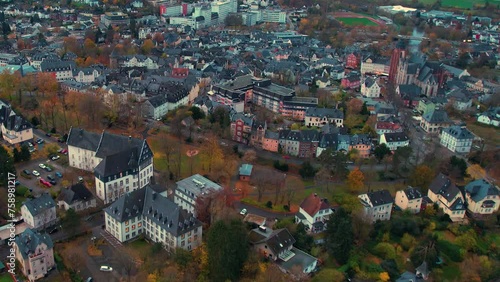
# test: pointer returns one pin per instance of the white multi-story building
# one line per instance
(224, 8)
(120, 163)
(63, 70)
(377, 205)
(482, 198)
(147, 212)
(15, 129)
(86, 75)
(189, 189)
(457, 139)
(370, 88)
(39, 213)
(314, 211)
(409, 199)
(395, 140)
(273, 16)
(35, 254)
(322, 116)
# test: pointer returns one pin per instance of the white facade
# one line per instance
(40, 220)
(83, 77)
(148, 63)
(393, 145)
(376, 210)
(273, 16)
(112, 189)
(404, 203)
(16, 137)
(37, 263)
(460, 143)
(224, 8)
(82, 159)
(371, 91)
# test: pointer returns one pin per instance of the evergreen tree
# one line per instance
(25, 153)
(6, 166)
(227, 246)
(339, 235)
(17, 155)
(302, 240)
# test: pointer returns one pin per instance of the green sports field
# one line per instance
(356, 21)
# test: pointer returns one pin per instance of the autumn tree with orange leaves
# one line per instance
(356, 180)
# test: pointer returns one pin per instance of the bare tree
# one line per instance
(250, 156)
(263, 179)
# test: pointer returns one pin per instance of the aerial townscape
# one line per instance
(250, 140)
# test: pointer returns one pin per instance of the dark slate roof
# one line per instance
(328, 140)
(40, 204)
(437, 116)
(442, 185)
(369, 82)
(158, 100)
(28, 242)
(120, 162)
(114, 143)
(396, 137)
(380, 197)
(459, 132)
(75, 193)
(154, 206)
(412, 193)
(11, 121)
(276, 240)
(409, 89)
(479, 189)
(83, 139)
(56, 65)
(324, 112)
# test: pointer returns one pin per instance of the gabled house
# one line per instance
(382, 127)
(490, 117)
(410, 94)
(482, 198)
(457, 139)
(145, 211)
(76, 197)
(35, 253)
(361, 143)
(377, 205)
(447, 196)
(39, 213)
(352, 81)
(370, 88)
(62, 70)
(277, 246)
(245, 172)
(120, 163)
(460, 99)
(321, 116)
(156, 107)
(434, 121)
(352, 60)
(270, 142)
(395, 140)
(15, 129)
(314, 211)
(409, 199)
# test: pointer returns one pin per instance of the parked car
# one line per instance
(30, 144)
(64, 152)
(48, 134)
(53, 182)
(39, 141)
(47, 168)
(42, 166)
(54, 158)
(243, 212)
(80, 179)
(60, 150)
(17, 183)
(45, 183)
(36, 173)
(58, 174)
(32, 149)
(50, 177)
(27, 172)
(89, 279)
(106, 268)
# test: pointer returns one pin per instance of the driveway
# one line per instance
(260, 212)
(32, 181)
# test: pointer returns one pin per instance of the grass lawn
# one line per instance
(356, 21)
(5, 277)
(139, 248)
(490, 135)
(461, 4)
